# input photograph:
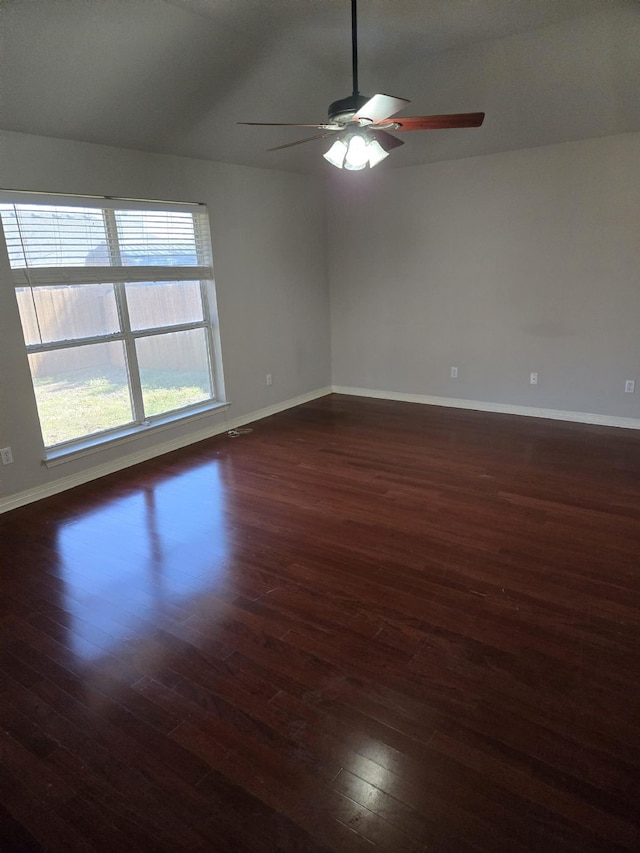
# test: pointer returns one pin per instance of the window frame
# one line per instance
(119, 275)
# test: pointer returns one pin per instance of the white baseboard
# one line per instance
(64, 483)
(500, 408)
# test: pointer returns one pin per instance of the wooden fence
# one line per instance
(71, 312)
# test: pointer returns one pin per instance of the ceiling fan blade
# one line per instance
(386, 140)
(300, 141)
(280, 124)
(434, 122)
(379, 108)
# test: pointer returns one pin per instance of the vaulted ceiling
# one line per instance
(176, 77)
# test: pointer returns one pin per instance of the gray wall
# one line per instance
(269, 246)
(500, 265)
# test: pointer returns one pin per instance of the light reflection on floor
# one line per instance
(140, 556)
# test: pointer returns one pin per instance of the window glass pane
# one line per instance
(53, 236)
(166, 303)
(81, 390)
(67, 312)
(174, 370)
(156, 238)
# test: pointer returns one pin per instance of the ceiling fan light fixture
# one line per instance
(355, 151)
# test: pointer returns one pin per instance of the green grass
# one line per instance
(166, 390)
(93, 400)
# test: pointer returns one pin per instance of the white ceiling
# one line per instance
(174, 76)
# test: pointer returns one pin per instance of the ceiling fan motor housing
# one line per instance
(342, 111)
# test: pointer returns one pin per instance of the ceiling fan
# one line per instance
(361, 124)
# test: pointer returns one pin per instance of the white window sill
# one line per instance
(101, 441)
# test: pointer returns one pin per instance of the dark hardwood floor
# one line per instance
(365, 625)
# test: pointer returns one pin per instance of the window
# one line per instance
(117, 305)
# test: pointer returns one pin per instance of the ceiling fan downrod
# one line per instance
(354, 47)
(341, 111)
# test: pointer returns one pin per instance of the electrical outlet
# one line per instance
(533, 379)
(454, 372)
(6, 455)
(269, 380)
(630, 386)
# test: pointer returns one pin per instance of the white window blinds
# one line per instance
(74, 243)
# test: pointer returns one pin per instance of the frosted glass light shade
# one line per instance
(376, 153)
(335, 155)
(357, 155)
